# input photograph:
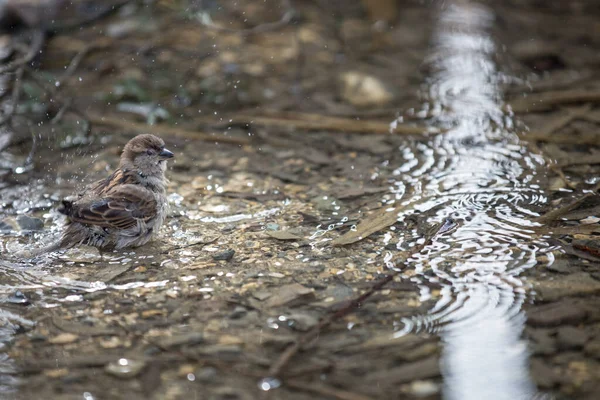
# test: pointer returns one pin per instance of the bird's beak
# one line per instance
(164, 154)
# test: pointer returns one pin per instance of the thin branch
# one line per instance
(76, 61)
(165, 130)
(287, 355)
(16, 95)
(34, 48)
(319, 122)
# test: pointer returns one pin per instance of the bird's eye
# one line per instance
(150, 152)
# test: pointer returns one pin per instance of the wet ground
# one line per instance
(359, 210)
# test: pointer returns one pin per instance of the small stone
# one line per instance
(228, 340)
(542, 342)
(261, 295)
(18, 298)
(271, 226)
(362, 90)
(424, 388)
(543, 375)
(64, 338)
(559, 266)
(206, 374)
(190, 339)
(238, 312)
(577, 284)
(283, 235)
(8, 225)
(152, 313)
(227, 393)
(301, 321)
(592, 349)
(569, 337)
(290, 294)
(111, 343)
(56, 373)
(156, 298)
(125, 368)
(223, 351)
(554, 314)
(36, 337)
(28, 223)
(226, 255)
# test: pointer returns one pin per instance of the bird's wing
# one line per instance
(117, 178)
(121, 207)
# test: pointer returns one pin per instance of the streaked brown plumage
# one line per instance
(127, 208)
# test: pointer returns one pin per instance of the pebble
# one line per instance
(554, 314)
(301, 321)
(125, 368)
(238, 312)
(7, 225)
(206, 374)
(424, 388)
(18, 298)
(64, 338)
(592, 349)
(542, 374)
(226, 255)
(28, 223)
(364, 90)
(569, 337)
(189, 338)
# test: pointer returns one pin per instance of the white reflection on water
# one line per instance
(478, 174)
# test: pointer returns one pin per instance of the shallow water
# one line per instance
(481, 176)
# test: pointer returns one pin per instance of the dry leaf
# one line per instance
(382, 218)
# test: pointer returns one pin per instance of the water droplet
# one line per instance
(268, 383)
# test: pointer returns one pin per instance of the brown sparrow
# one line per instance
(125, 209)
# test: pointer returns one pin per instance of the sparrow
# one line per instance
(127, 208)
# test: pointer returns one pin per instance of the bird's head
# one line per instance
(146, 154)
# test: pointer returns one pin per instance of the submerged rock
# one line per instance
(28, 223)
(362, 90)
(224, 256)
(18, 298)
(125, 368)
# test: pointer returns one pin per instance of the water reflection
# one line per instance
(481, 176)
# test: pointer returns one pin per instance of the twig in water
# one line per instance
(285, 357)
(288, 15)
(559, 212)
(293, 349)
